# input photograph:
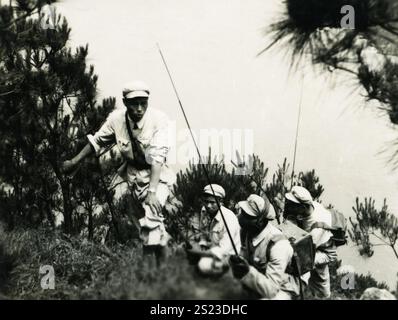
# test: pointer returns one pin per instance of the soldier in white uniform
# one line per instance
(301, 209)
(141, 134)
(266, 253)
(211, 244)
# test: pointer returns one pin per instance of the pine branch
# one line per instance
(380, 238)
(22, 17)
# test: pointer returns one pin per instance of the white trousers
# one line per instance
(152, 230)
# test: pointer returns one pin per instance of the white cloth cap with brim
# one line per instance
(219, 191)
(299, 195)
(256, 205)
(135, 89)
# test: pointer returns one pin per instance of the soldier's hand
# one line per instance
(152, 201)
(332, 254)
(239, 266)
(325, 256)
(68, 166)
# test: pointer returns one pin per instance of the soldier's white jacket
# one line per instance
(269, 276)
(319, 278)
(215, 232)
(152, 134)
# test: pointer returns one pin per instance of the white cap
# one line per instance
(299, 194)
(219, 191)
(256, 206)
(135, 89)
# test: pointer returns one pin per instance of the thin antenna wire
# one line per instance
(197, 150)
(297, 130)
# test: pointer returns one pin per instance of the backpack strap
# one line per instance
(139, 162)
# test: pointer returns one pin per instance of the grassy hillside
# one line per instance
(85, 270)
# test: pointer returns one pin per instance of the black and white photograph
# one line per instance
(222, 150)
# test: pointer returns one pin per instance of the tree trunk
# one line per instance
(50, 215)
(66, 196)
(90, 225)
(65, 187)
(109, 200)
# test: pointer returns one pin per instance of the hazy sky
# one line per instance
(211, 49)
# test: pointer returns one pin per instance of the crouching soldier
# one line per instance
(266, 253)
(312, 217)
(210, 245)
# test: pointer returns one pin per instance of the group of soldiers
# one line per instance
(264, 263)
(249, 243)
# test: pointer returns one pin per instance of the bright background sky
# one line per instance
(211, 48)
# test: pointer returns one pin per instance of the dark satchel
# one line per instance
(303, 248)
(139, 161)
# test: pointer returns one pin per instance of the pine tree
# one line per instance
(372, 225)
(368, 52)
(48, 105)
(310, 181)
(283, 180)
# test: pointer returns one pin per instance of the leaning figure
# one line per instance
(266, 253)
(141, 135)
(327, 228)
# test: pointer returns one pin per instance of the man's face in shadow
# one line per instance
(297, 212)
(210, 204)
(136, 107)
(253, 225)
